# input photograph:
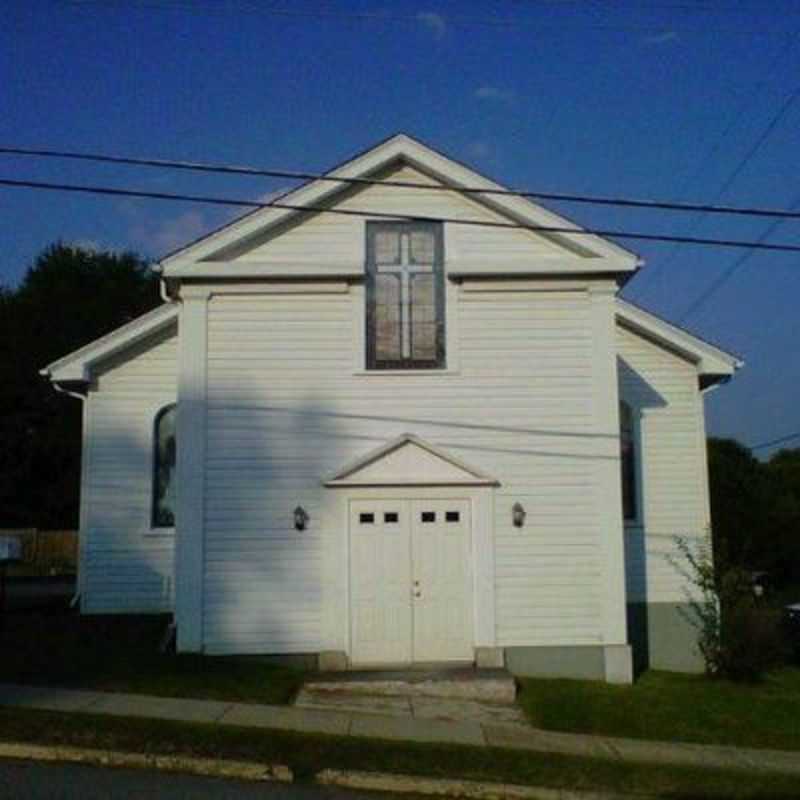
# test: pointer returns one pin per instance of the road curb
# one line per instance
(471, 790)
(210, 767)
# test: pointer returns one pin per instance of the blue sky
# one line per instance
(670, 99)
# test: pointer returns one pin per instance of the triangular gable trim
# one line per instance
(417, 154)
(76, 366)
(348, 475)
(711, 360)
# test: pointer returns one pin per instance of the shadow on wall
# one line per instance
(641, 396)
(263, 579)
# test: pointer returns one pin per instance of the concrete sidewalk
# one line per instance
(340, 723)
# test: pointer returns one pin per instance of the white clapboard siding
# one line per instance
(337, 237)
(285, 412)
(126, 567)
(662, 389)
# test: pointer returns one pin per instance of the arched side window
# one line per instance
(164, 483)
(628, 461)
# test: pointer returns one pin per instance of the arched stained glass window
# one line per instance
(628, 461)
(164, 483)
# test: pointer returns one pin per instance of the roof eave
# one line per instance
(76, 366)
(712, 362)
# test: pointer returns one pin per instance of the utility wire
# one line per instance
(253, 204)
(744, 161)
(724, 277)
(781, 440)
(231, 169)
(711, 153)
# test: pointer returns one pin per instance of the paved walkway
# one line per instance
(423, 708)
(405, 728)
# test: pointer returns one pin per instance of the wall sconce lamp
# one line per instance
(518, 515)
(301, 518)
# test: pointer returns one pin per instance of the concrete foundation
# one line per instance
(582, 662)
(618, 663)
(332, 661)
(662, 637)
(489, 657)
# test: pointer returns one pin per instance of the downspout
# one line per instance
(75, 600)
(169, 636)
(163, 289)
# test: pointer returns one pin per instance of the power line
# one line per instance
(230, 169)
(720, 281)
(107, 190)
(773, 442)
(734, 120)
(743, 162)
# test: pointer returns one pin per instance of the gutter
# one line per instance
(75, 599)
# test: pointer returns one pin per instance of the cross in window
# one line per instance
(405, 271)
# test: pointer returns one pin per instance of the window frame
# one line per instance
(634, 474)
(155, 525)
(372, 363)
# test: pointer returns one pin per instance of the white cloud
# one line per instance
(169, 234)
(479, 149)
(495, 93)
(661, 38)
(90, 245)
(434, 22)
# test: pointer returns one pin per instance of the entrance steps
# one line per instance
(485, 695)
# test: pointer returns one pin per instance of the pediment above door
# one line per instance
(409, 461)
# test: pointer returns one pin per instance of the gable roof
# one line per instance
(76, 366)
(713, 363)
(595, 252)
(408, 461)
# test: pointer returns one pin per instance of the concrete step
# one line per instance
(437, 708)
(481, 685)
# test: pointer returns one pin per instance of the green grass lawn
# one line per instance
(307, 754)
(120, 653)
(673, 707)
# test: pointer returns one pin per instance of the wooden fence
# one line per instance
(47, 552)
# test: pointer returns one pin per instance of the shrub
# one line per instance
(737, 637)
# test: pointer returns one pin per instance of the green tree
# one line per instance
(68, 297)
(739, 496)
(782, 473)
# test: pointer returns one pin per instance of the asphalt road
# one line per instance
(27, 780)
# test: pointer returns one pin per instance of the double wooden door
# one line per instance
(410, 581)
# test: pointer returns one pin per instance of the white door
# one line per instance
(410, 581)
(380, 581)
(440, 548)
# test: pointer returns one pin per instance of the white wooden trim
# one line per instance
(267, 286)
(543, 267)
(702, 455)
(336, 617)
(711, 360)
(477, 477)
(608, 489)
(83, 509)
(191, 437)
(266, 270)
(398, 148)
(498, 284)
(76, 365)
